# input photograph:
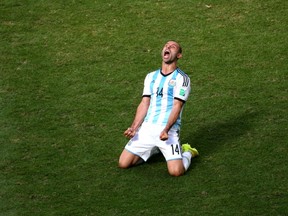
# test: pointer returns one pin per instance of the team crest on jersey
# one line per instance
(172, 82)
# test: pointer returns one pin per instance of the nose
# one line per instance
(168, 46)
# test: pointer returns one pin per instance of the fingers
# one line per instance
(129, 133)
(163, 136)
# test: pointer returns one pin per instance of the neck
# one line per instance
(168, 68)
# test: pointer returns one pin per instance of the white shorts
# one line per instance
(148, 137)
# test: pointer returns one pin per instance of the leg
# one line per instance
(173, 156)
(127, 159)
(175, 167)
(188, 154)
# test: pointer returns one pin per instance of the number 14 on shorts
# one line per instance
(175, 149)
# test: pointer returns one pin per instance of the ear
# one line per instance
(179, 55)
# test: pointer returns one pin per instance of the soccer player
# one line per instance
(158, 117)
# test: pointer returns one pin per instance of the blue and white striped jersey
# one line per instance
(163, 89)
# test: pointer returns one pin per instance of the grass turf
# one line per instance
(71, 78)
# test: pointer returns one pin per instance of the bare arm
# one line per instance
(139, 117)
(177, 106)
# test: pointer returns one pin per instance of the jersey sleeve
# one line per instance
(183, 88)
(147, 90)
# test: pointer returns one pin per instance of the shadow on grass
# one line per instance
(208, 138)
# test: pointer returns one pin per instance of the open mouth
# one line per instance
(166, 53)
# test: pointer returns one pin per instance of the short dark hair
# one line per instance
(180, 49)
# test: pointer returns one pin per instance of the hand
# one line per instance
(129, 133)
(163, 135)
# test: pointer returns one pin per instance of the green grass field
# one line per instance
(71, 78)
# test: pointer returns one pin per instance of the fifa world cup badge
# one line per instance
(182, 92)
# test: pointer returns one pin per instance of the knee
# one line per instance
(123, 165)
(128, 159)
(176, 172)
(125, 159)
